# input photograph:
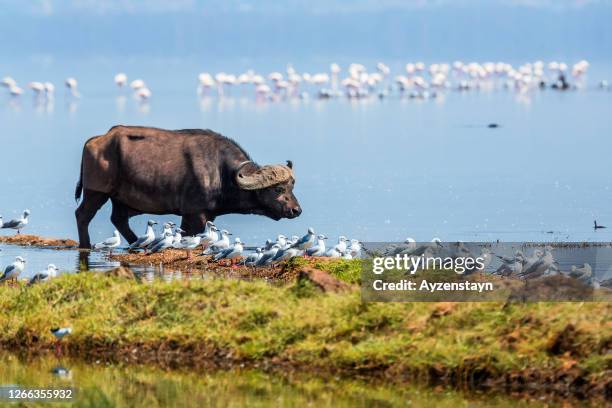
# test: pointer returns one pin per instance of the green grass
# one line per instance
(346, 270)
(254, 322)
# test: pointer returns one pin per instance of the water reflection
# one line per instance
(62, 372)
(98, 385)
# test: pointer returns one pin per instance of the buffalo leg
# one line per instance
(193, 224)
(92, 202)
(120, 217)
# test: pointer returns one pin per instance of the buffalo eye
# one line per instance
(279, 190)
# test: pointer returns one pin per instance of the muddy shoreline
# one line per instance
(173, 259)
(40, 242)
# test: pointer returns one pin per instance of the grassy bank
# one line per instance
(560, 348)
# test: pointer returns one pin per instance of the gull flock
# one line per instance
(355, 81)
(217, 244)
(539, 263)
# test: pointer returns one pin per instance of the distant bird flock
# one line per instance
(417, 80)
(355, 81)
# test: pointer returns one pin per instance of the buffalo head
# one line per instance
(273, 188)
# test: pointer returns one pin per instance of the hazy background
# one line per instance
(303, 29)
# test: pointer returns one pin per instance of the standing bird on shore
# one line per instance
(72, 87)
(210, 234)
(407, 247)
(110, 243)
(144, 240)
(189, 243)
(341, 245)
(355, 249)
(165, 243)
(306, 241)
(268, 256)
(252, 259)
(13, 270)
(44, 276)
(333, 252)
(511, 266)
(59, 333)
(533, 258)
(178, 239)
(287, 253)
(584, 274)
(539, 267)
(268, 244)
(231, 253)
(337, 250)
(167, 229)
(221, 244)
(319, 248)
(19, 223)
(281, 240)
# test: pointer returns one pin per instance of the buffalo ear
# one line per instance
(290, 164)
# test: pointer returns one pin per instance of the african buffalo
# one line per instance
(197, 174)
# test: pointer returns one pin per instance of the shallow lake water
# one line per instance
(100, 385)
(370, 169)
(599, 257)
(376, 170)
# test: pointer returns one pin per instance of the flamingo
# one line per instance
(15, 91)
(8, 82)
(206, 82)
(137, 84)
(72, 84)
(121, 79)
(262, 91)
(49, 90)
(143, 93)
(37, 87)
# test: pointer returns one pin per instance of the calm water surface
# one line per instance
(373, 170)
(108, 386)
